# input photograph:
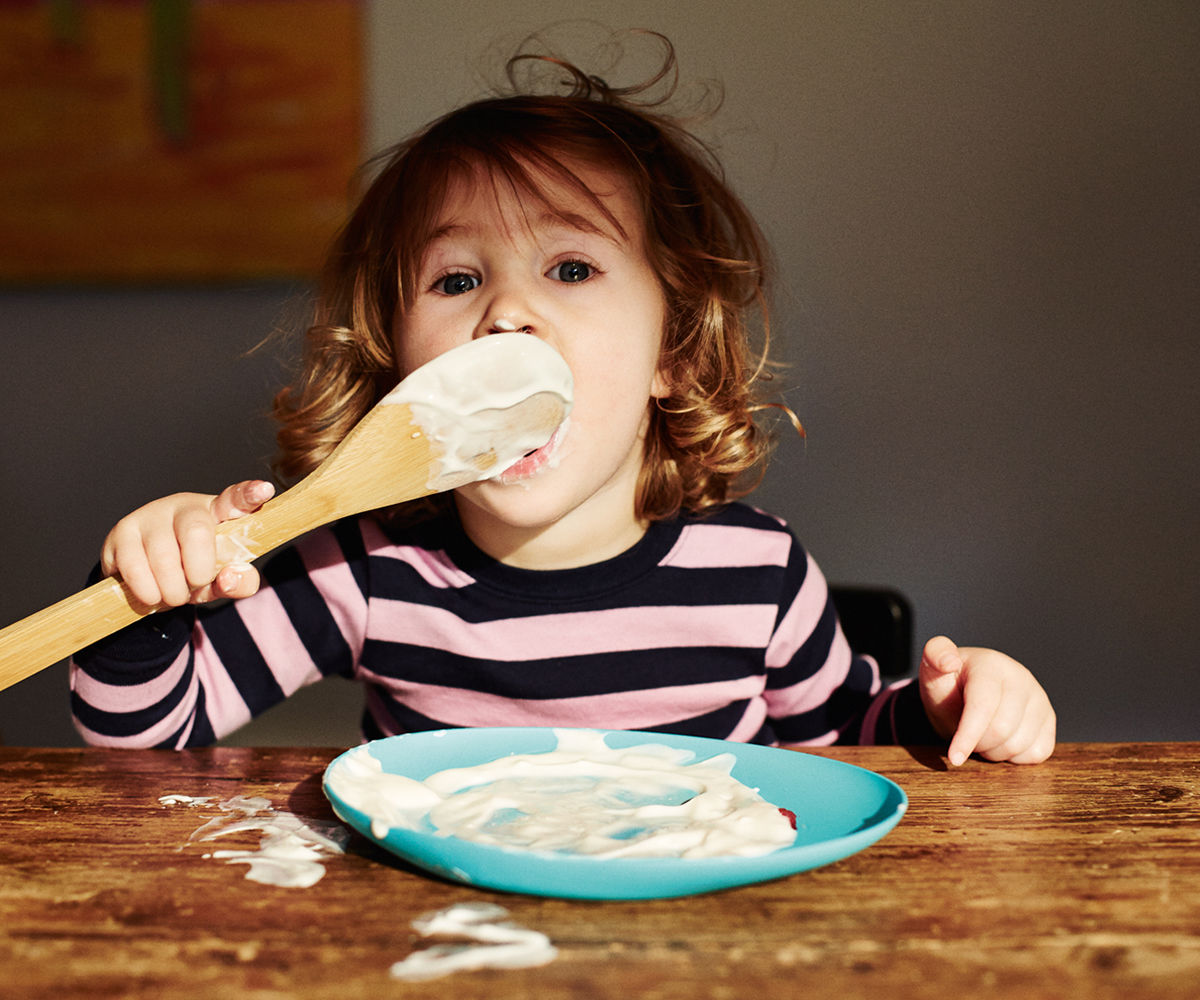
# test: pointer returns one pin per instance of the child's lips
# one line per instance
(532, 463)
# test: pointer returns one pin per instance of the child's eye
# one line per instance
(572, 271)
(456, 284)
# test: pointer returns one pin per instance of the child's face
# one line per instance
(501, 262)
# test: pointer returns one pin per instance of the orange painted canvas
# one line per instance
(175, 140)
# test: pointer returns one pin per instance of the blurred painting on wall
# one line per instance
(175, 140)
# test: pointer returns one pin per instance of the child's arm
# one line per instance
(192, 674)
(166, 551)
(985, 702)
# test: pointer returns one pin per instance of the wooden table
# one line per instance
(1078, 878)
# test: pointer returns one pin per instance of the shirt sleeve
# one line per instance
(189, 676)
(819, 691)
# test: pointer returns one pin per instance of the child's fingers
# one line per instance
(236, 580)
(1032, 735)
(941, 656)
(1042, 745)
(163, 554)
(140, 581)
(127, 558)
(195, 531)
(241, 498)
(983, 696)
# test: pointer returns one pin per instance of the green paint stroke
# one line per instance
(170, 28)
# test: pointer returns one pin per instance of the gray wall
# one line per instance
(986, 222)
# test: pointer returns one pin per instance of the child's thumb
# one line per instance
(940, 657)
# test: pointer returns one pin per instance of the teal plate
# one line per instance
(840, 809)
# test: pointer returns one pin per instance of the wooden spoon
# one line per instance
(388, 457)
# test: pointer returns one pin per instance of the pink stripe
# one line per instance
(223, 702)
(620, 710)
(334, 581)
(572, 634)
(127, 697)
(186, 732)
(714, 545)
(871, 718)
(434, 567)
(750, 723)
(181, 714)
(816, 689)
(824, 740)
(273, 633)
(801, 618)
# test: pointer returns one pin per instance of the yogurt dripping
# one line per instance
(465, 398)
(585, 798)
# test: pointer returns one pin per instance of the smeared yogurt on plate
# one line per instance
(465, 398)
(583, 798)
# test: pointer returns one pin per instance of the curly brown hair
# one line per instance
(705, 446)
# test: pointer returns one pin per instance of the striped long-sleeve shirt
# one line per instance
(718, 627)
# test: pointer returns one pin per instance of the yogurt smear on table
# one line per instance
(495, 943)
(585, 798)
(292, 851)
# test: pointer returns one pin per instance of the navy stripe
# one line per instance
(202, 734)
(348, 534)
(245, 664)
(564, 677)
(791, 580)
(811, 655)
(310, 616)
(668, 587)
(408, 720)
(717, 724)
(913, 727)
(848, 702)
(139, 652)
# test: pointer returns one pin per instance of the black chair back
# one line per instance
(877, 621)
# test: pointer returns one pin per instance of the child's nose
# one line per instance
(501, 324)
(511, 304)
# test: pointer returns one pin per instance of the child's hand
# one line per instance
(166, 552)
(985, 702)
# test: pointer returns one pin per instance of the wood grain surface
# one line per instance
(1078, 878)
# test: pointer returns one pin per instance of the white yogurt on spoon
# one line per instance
(583, 798)
(468, 400)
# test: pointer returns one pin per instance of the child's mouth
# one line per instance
(531, 463)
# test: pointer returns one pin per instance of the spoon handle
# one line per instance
(54, 633)
(349, 481)
(387, 458)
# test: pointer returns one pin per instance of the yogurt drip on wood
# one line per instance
(463, 400)
(292, 851)
(585, 798)
(495, 943)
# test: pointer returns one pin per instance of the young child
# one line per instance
(610, 580)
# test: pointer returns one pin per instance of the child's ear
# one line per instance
(660, 385)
